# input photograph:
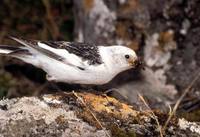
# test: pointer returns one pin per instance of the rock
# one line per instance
(165, 33)
(82, 115)
(192, 126)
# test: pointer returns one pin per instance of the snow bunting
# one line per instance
(72, 62)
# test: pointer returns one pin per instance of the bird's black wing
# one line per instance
(34, 44)
(86, 51)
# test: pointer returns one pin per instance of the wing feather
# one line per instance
(86, 51)
(60, 55)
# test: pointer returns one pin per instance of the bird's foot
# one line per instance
(110, 91)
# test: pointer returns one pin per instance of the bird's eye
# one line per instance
(127, 56)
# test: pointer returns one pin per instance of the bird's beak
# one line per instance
(137, 63)
(133, 62)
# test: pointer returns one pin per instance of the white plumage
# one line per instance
(74, 62)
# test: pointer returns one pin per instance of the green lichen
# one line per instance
(118, 132)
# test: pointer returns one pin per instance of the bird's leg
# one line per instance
(54, 86)
(106, 93)
(40, 89)
(89, 88)
(50, 82)
(46, 85)
(109, 91)
(114, 92)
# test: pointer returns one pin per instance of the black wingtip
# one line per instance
(8, 47)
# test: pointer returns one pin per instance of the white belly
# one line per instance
(69, 74)
(61, 72)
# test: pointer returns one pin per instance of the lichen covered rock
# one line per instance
(81, 114)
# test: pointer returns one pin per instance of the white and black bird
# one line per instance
(71, 62)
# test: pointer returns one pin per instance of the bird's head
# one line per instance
(124, 58)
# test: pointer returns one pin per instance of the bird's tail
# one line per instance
(13, 50)
(4, 49)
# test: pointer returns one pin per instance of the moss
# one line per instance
(118, 132)
(109, 113)
(191, 116)
(112, 114)
(87, 117)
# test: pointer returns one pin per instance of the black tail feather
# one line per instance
(9, 47)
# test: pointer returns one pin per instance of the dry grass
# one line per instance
(90, 111)
(152, 114)
(173, 111)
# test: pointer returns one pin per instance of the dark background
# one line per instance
(42, 20)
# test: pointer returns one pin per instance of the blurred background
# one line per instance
(42, 20)
(164, 33)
